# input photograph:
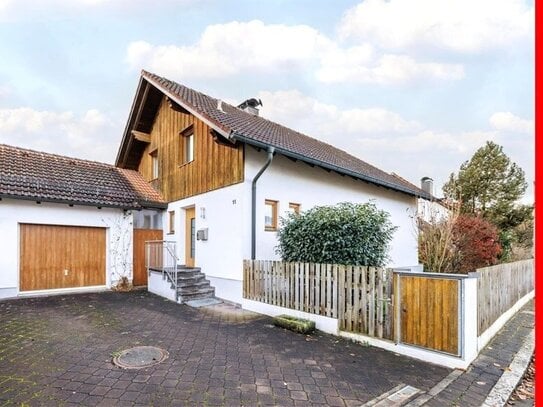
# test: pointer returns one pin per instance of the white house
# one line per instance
(229, 174)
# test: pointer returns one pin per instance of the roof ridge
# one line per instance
(65, 157)
(235, 123)
(249, 115)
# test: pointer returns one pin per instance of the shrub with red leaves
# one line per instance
(476, 244)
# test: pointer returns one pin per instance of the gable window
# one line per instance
(171, 222)
(154, 164)
(294, 208)
(270, 215)
(187, 145)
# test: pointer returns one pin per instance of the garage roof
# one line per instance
(38, 176)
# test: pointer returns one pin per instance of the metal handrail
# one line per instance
(160, 256)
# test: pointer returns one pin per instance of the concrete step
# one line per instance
(187, 268)
(183, 280)
(197, 295)
(187, 273)
(193, 287)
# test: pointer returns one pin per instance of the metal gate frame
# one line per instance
(398, 307)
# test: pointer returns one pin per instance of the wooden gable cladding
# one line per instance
(215, 164)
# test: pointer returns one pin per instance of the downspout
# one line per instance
(253, 202)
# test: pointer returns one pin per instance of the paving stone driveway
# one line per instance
(58, 351)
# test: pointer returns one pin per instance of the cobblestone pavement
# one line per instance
(473, 386)
(58, 350)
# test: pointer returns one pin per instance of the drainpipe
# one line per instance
(253, 203)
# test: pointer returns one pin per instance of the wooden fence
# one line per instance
(366, 301)
(360, 297)
(499, 288)
(306, 287)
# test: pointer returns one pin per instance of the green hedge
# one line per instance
(346, 233)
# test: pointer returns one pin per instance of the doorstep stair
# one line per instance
(192, 284)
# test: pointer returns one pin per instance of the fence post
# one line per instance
(397, 307)
(339, 295)
(468, 322)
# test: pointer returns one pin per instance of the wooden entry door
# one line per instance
(429, 312)
(139, 277)
(190, 237)
(54, 257)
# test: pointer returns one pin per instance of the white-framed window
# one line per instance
(171, 222)
(154, 164)
(189, 148)
(186, 145)
(270, 215)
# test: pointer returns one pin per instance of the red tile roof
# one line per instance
(33, 175)
(243, 126)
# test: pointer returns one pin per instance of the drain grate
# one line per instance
(140, 357)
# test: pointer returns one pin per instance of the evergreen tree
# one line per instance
(489, 185)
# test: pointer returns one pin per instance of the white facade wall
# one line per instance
(287, 181)
(432, 211)
(13, 212)
(224, 214)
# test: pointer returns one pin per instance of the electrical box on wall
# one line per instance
(201, 234)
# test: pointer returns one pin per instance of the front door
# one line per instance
(190, 236)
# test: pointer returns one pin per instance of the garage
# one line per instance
(53, 257)
(67, 224)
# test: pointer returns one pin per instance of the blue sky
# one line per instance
(411, 86)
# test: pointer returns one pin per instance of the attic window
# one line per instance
(154, 164)
(187, 145)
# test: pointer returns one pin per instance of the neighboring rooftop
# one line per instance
(38, 176)
(238, 125)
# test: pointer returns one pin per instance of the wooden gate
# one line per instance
(139, 269)
(53, 257)
(429, 312)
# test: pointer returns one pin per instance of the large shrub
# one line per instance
(476, 243)
(354, 234)
(459, 244)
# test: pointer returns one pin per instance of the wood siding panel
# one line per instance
(215, 165)
(139, 268)
(429, 313)
(47, 251)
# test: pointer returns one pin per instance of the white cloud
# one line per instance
(459, 25)
(92, 135)
(394, 143)
(241, 47)
(225, 49)
(387, 69)
(429, 141)
(508, 122)
(327, 121)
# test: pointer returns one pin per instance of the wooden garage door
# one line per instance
(61, 257)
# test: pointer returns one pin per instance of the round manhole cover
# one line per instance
(140, 357)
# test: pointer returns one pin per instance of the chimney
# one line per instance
(250, 106)
(427, 185)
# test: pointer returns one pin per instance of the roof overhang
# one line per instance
(140, 99)
(326, 166)
(80, 202)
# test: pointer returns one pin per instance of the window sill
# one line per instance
(270, 229)
(184, 164)
(170, 233)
